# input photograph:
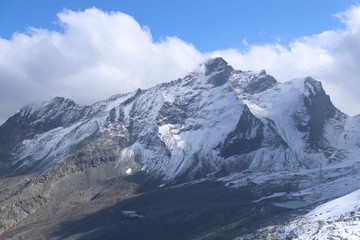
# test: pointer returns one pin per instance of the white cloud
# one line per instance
(332, 57)
(98, 54)
(102, 53)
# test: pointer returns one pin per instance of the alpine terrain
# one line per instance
(218, 154)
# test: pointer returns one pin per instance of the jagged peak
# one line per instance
(121, 95)
(253, 81)
(43, 107)
(217, 64)
(250, 76)
(313, 84)
(308, 85)
(57, 101)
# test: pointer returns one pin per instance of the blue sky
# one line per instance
(208, 24)
(88, 50)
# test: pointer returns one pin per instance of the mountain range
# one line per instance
(236, 129)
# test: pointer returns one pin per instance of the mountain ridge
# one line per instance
(244, 91)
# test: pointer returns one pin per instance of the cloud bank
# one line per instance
(332, 56)
(99, 54)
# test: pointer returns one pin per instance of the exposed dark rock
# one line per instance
(260, 84)
(246, 137)
(320, 109)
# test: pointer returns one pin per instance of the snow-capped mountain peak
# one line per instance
(219, 121)
(217, 65)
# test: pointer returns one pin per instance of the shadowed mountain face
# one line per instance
(214, 123)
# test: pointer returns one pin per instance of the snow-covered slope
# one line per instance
(337, 219)
(213, 122)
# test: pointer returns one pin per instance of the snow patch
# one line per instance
(129, 171)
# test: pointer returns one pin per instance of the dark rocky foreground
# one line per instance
(203, 210)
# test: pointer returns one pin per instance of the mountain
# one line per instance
(211, 121)
(236, 127)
